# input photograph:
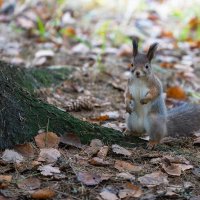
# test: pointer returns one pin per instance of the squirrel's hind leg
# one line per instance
(156, 129)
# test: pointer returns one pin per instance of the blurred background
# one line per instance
(93, 39)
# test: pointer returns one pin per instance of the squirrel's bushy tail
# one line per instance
(183, 120)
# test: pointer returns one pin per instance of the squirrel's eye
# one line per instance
(147, 66)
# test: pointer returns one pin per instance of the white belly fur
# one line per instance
(138, 120)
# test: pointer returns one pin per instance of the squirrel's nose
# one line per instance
(137, 73)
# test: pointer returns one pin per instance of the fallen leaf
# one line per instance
(167, 34)
(197, 141)
(120, 150)
(176, 92)
(12, 156)
(103, 152)
(105, 177)
(185, 167)
(26, 150)
(101, 118)
(126, 166)
(117, 86)
(31, 183)
(27, 165)
(44, 53)
(25, 23)
(47, 139)
(196, 172)
(153, 179)
(129, 191)
(67, 18)
(195, 197)
(111, 114)
(167, 65)
(5, 181)
(48, 170)
(125, 51)
(45, 193)
(95, 146)
(106, 194)
(71, 139)
(172, 169)
(49, 155)
(80, 48)
(96, 143)
(125, 176)
(89, 178)
(69, 31)
(98, 162)
(194, 23)
(176, 159)
(112, 125)
(3, 198)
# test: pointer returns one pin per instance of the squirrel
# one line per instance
(146, 108)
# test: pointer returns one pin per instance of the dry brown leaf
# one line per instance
(124, 51)
(176, 92)
(45, 193)
(95, 146)
(96, 143)
(31, 183)
(185, 167)
(69, 31)
(167, 65)
(48, 170)
(71, 139)
(3, 198)
(194, 23)
(101, 118)
(105, 177)
(107, 194)
(153, 179)
(172, 169)
(98, 162)
(49, 155)
(196, 172)
(12, 156)
(1, 3)
(120, 150)
(44, 53)
(176, 159)
(126, 176)
(129, 191)
(25, 23)
(89, 178)
(103, 152)
(26, 150)
(5, 181)
(167, 34)
(126, 166)
(47, 140)
(27, 165)
(197, 141)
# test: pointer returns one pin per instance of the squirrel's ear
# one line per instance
(151, 51)
(135, 47)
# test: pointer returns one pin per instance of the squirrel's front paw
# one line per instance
(128, 109)
(144, 101)
(152, 144)
(126, 132)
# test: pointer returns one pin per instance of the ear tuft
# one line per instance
(151, 51)
(135, 47)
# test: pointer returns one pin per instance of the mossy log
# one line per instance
(22, 114)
